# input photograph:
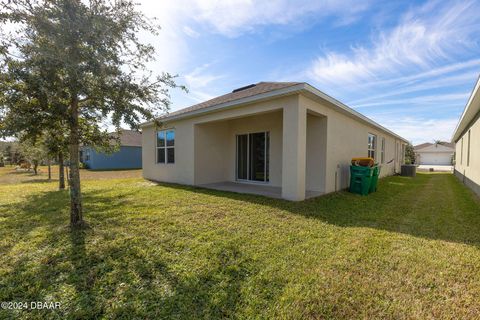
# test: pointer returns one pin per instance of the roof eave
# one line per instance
(231, 104)
(351, 111)
(277, 93)
(463, 122)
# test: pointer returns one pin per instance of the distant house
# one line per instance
(467, 142)
(128, 157)
(279, 139)
(440, 153)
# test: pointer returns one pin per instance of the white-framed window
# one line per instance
(372, 145)
(166, 146)
(383, 150)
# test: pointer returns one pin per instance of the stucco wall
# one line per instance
(205, 145)
(211, 144)
(184, 169)
(348, 138)
(316, 152)
(470, 171)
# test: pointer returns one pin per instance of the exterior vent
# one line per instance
(244, 88)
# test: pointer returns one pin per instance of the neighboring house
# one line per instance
(281, 139)
(467, 142)
(439, 153)
(128, 157)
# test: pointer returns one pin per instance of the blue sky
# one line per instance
(409, 65)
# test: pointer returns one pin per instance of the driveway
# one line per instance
(435, 167)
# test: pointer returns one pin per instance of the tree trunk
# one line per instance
(67, 175)
(49, 169)
(76, 217)
(35, 167)
(61, 172)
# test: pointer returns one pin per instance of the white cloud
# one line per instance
(420, 100)
(431, 129)
(182, 20)
(436, 83)
(185, 21)
(200, 78)
(233, 17)
(420, 40)
(190, 32)
(199, 81)
(409, 70)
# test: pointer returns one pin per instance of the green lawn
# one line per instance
(411, 250)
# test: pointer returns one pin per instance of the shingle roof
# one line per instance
(129, 138)
(236, 94)
(423, 145)
(265, 90)
(447, 144)
(427, 144)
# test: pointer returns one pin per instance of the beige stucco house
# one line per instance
(280, 139)
(467, 142)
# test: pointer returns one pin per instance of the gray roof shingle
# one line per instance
(421, 146)
(427, 144)
(129, 138)
(248, 91)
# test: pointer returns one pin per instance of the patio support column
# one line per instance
(294, 152)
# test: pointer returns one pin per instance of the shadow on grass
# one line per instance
(95, 277)
(435, 207)
(44, 180)
(130, 275)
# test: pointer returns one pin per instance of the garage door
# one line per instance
(436, 158)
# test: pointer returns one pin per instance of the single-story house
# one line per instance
(281, 139)
(438, 153)
(129, 156)
(467, 142)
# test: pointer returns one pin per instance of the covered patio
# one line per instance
(279, 152)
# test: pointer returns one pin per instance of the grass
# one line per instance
(8, 175)
(411, 250)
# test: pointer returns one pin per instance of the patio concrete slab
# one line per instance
(250, 188)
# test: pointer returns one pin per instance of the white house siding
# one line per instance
(469, 171)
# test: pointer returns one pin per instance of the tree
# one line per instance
(80, 62)
(409, 154)
(8, 153)
(56, 144)
(34, 152)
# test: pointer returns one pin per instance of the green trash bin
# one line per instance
(374, 182)
(360, 179)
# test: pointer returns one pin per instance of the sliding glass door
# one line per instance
(253, 156)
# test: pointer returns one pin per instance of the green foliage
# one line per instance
(165, 251)
(34, 152)
(409, 154)
(84, 165)
(79, 52)
(6, 151)
(73, 65)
